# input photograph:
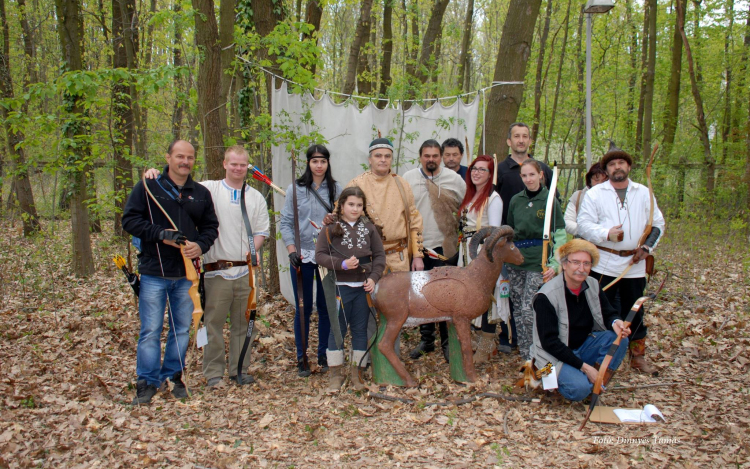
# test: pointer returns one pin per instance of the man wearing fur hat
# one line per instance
(438, 193)
(614, 216)
(574, 323)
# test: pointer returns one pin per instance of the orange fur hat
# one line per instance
(577, 245)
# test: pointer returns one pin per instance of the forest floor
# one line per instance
(67, 375)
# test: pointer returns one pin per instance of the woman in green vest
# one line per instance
(526, 216)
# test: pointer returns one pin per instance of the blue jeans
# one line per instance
(355, 314)
(573, 384)
(151, 305)
(309, 275)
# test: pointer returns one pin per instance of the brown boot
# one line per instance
(638, 358)
(336, 378)
(356, 379)
(485, 348)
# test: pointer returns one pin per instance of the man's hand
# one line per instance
(590, 372)
(329, 218)
(172, 238)
(294, 260)
(369, 285)
(616, 233)
(548, 274)
(151, 173)
(621, 331)
(639, 255)
(351, 263)
(191, 250)
(417, 264)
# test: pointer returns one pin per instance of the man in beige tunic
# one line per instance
(390, 203)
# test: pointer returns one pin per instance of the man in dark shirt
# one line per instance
(162, 266)
(453, 153)
(509, 183)
(574, 324)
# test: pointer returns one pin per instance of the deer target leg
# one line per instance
(464, 338)
(392, 329)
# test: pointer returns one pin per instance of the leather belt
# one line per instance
(402, 244)
(222, 265)
(618, 253)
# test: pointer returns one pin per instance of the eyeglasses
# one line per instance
(586, 264)
(480, 170)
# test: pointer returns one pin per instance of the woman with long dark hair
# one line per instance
(317, 192)
(482, 206)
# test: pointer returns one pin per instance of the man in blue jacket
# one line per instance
(161, 265)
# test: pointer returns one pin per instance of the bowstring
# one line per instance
(169, 304)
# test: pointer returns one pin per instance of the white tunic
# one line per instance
(602, 209)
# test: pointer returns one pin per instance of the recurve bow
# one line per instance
(252, 298)
(298, 247)
(550, 209)
(649, 225)
(190, 273)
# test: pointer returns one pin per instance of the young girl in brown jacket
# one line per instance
(353, 249)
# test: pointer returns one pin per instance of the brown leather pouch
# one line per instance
(649, 265)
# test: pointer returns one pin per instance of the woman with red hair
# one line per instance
(481, 207)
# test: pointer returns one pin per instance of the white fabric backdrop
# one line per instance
(350, 130)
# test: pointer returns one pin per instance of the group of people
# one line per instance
(382, 222)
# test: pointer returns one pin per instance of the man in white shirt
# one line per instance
(614, 216)
(437, 194)
(226, 279)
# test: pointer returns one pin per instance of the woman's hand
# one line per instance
(548, 274)
(351, 263)
(369, 285)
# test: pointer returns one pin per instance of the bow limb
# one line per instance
(548, 213)
(250, 312)
(298, 248)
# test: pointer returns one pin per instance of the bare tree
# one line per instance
(463, 72)
(387, 49)
(360, 36)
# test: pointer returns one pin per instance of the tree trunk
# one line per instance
(462, 73)
(211, 107)
(362, 33)
(512, 57)
(739, 97)
(28, 45)
(645, 41)
(700, 115)
(671, 113)
(226, 39)
(313, 16)
(364, 76)
(179, 102)
(124, 53)
(266, 17)
(580, 140)
(427, 65)
(387, 48)
(727, 121)
(21, 182)
(633, 79)
(648, 99)
(414, 45)
(557, 84)
(71, 34)
(538, 80)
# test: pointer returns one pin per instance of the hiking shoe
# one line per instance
(179, 391)
(504, 348)
(143, 392)
(303, 368)
(213, 381)
(246, 379)
(323, 363)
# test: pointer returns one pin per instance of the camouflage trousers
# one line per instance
(523, 286)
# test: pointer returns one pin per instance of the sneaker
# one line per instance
(303, 368)
(504, 348)
(143, 392)
(323, 363)
(179, 391)
(213, 381)
(246, 379)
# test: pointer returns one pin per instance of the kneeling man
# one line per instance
(574, 324)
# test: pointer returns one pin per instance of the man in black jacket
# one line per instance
(161, 264)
